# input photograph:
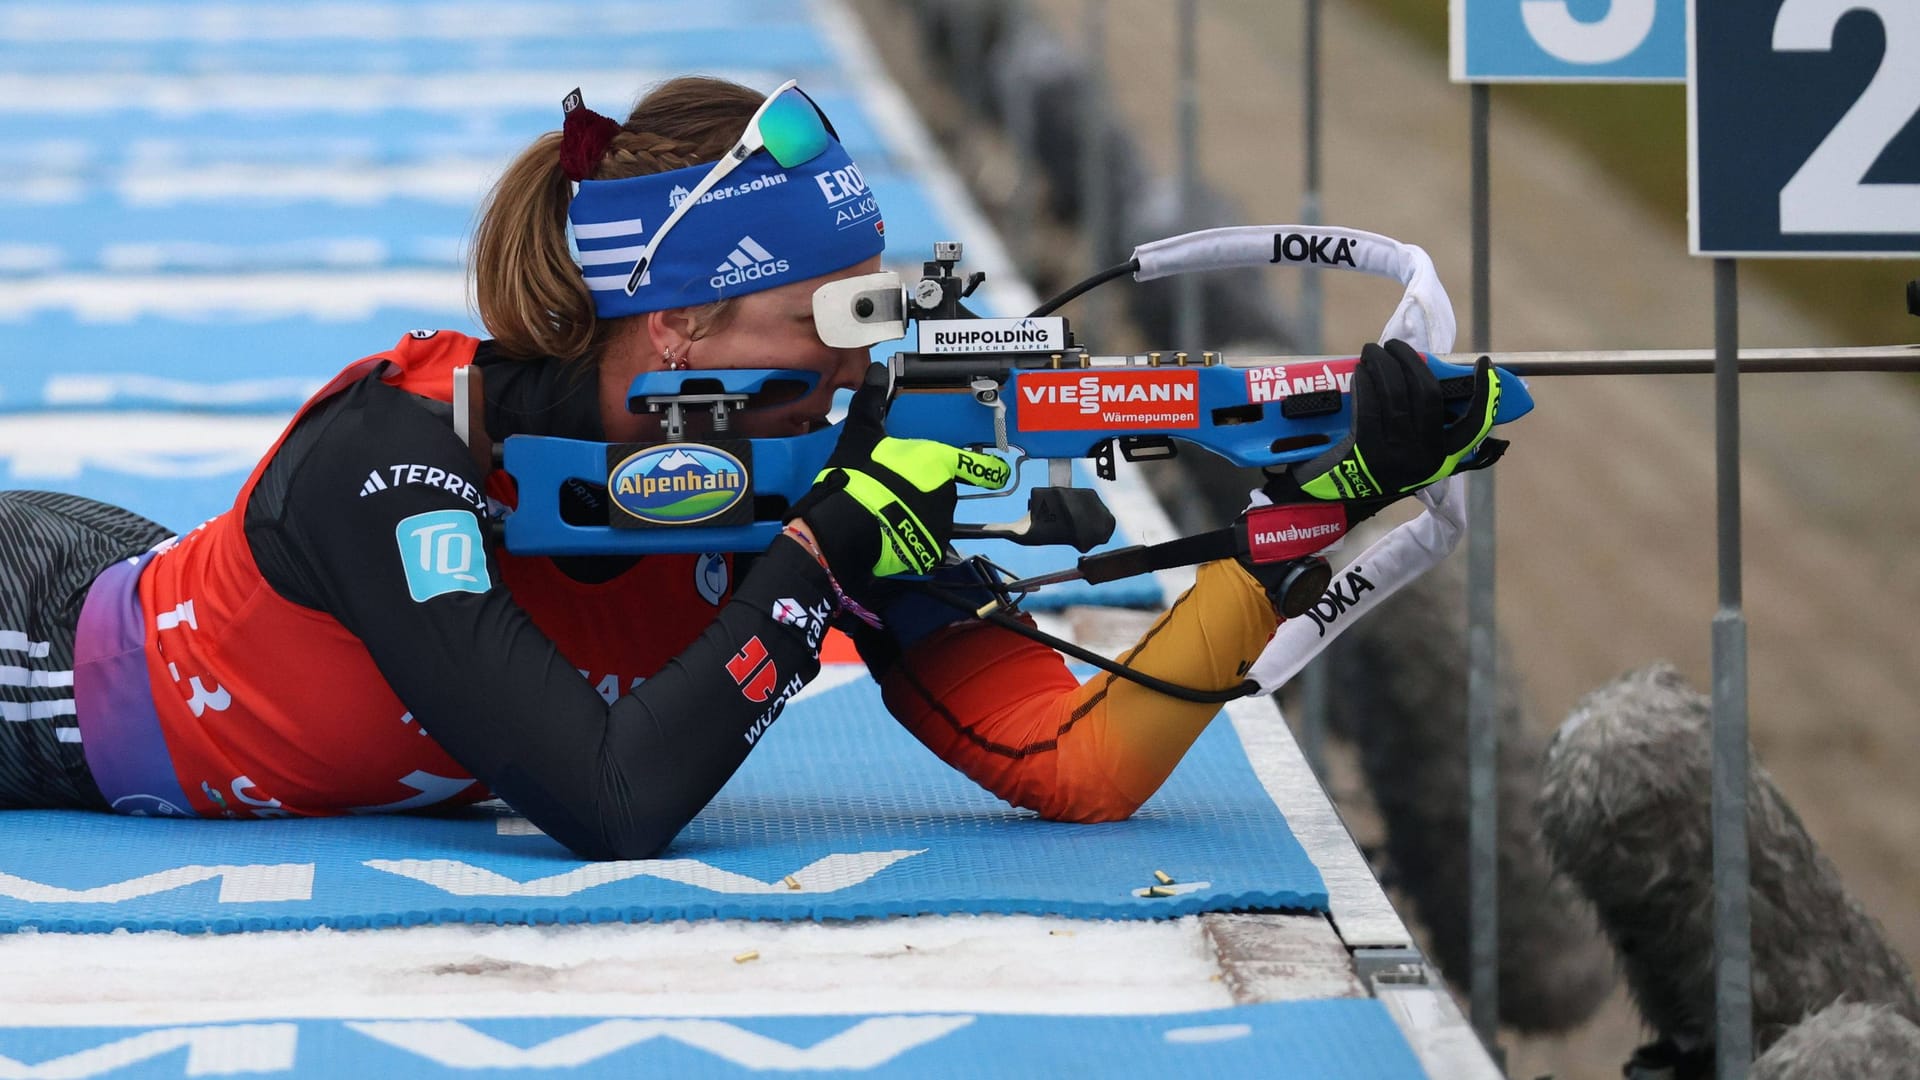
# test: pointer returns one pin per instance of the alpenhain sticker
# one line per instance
(1108, 400)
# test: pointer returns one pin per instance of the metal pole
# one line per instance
(1312, 303)
(1732, 928)
(1095, 186)
(1483, 730)
(1021, 122)
(1189, 332)
(971, 28)
(1315, 680)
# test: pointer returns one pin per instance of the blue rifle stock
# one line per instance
(1268, 412)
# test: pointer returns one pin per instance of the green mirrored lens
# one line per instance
(792, 129)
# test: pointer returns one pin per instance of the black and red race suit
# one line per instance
(343, 641)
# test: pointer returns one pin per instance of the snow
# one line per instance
(983, 963)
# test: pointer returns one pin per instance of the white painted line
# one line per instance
(51, 447)
(457, 181)
(1439, 1035)
(341, 296)
(80, 391)
(1361, 912)
(236, 24)
(468, 94)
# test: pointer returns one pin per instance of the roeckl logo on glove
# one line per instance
(986, 473)
(1359, 484)
(910, 542)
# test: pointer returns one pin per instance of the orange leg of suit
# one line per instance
(1005, 710)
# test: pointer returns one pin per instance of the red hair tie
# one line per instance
(584, 136)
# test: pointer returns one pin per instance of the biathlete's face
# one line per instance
(769, 329)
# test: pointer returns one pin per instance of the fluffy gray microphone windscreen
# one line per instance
(1399, 693)
(1844, 1040)
(1624, 808)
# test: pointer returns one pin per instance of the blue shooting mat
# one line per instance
(1336, 1039)
(838, 800)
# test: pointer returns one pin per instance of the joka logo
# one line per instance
(1338, 598)
(679, 194)
(753, 670)
(1312, 248)
(747, 262)
(678, 484)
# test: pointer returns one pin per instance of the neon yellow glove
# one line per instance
(884, 506)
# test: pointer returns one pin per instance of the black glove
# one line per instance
(884, 506)
(1400, 440)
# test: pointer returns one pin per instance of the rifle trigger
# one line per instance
(986, 391)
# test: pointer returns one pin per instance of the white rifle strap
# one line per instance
(1365, 583)
(1423, 319)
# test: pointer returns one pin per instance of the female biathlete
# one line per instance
(342, 641)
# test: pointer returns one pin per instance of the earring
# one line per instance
(674, 363)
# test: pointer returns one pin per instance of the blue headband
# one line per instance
(767, 226)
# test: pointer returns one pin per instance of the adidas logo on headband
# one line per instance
(748, 261)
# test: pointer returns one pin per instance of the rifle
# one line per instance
(1025, 388)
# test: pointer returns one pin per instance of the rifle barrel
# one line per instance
(1660, 361)
(1700, 361)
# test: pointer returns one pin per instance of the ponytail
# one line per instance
(531, 296)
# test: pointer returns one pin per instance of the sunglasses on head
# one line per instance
(787, 125)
